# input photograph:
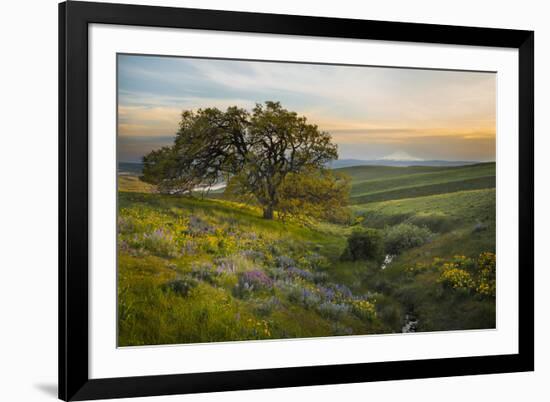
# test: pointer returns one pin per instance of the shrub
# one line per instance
(457, 278)
(300, 273)
(405, 236)
(486, 264)
(181, 286)
(256, 278)
(364, 244)
(265, 307)
(363, 309)
(467, 274)
(296, 292)
(341, 291)
(327, 293)
(251, 281)
(333, 311)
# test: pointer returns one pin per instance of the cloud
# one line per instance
(154, 119)
(387, 109)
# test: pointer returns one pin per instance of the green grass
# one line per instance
(182, 260)
(425, 190)
(407, 182)
(464, 224)
(164, 238)
(132, 183)
(467, 206)
(361, 173)
(464, 220)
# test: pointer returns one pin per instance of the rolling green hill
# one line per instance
(183, 261)
(465, 219)
(463, 227)
(380, 183)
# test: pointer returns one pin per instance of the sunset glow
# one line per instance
(371, 112)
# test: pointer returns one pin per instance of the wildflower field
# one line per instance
(194, 269)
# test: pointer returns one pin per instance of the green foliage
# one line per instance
(253, 151)
(404, 236)
(364, 309)
(486, 265)
(476, 276)
(457, 212)
(333, 311)
(364, 244)
(181, 286)
(456, 278)
(444, 294)
(320, 194)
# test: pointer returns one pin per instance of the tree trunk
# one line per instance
(268, 212)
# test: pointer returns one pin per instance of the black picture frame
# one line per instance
(74, 18)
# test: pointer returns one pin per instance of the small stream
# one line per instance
(410, 324)
(387, 260)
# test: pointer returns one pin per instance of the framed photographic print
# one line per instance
(258, 201)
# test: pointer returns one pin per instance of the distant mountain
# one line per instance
(340, 163)
(136, 168)
(400, 156)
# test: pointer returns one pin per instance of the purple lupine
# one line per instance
(301, 273)
(343, 290)
(326, 293)
(197, 226)
(256, 278)
(334, 311)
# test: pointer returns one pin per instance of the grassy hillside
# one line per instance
(440, 212)
(195, 270)
(204, 270)
(463, 227)
(379, 183)
(132, 183)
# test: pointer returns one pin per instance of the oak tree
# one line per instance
(254, 152)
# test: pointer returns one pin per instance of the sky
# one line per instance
(371, 112)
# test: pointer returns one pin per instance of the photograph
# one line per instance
(269, 200)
